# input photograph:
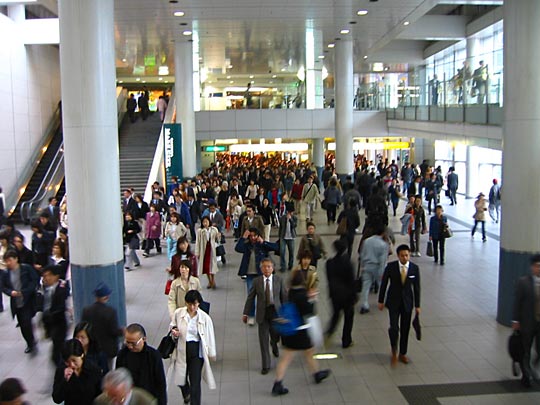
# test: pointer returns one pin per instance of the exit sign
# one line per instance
(216, 148)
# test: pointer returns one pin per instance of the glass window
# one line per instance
(460, 153)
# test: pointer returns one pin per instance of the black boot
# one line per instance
(279, 389)
(321, 375)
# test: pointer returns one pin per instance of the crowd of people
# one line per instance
(243, 199)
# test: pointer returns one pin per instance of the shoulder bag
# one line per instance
(342, 227)
(166, 346)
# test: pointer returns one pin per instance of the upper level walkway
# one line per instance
(461, 358)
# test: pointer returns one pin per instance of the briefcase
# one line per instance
(516, 351)
(429, 249)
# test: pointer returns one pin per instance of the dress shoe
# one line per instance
(364, 311)
(265, 371)
(404, 359)
(279, 389)
(187, 399)
(137, 264)
(29, 349)
(394, 360)
(526, 381)
(321, 375)
(275, 349)
(346, 346)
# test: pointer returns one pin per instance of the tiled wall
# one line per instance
(29, 94)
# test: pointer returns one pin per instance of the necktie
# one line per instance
(267, 293)
(403, 274)
(212, 217)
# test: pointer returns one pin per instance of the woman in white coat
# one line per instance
(195, 346)
(208, 238)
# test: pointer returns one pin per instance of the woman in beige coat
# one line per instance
(208, 238)
(480, 206)
(180, 286)
(195, 347)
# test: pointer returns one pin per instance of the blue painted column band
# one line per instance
(512, 265)
(84, 280)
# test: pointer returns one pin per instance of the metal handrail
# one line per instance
(13, 198)
(41, 191)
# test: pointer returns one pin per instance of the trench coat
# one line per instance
(200, 248)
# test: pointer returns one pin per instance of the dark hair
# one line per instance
(36, 224)
(53, 269)
(206, 217)
(306, 254)
(186, 263)
(255, 231)
(339, 246)
(535, 259)
(183, 239)
(4, 235)
(136, 328)
(309, 223)
(297, 279)
(402, 247)
(439, 206)
(192, 296)
(11, 389)
(44, 214)
(11, 254)
(72, 347)
(93, 345)
(52, 198)
(62, 246)
(177, 216)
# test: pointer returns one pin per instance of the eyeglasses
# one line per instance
(131, 344)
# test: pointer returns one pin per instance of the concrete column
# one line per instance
(87, 63)
(318, 155)
(472, 50)
(16, 12)
(343, 110)
(521, 146)
(185, 115)
(314, 65)
(470, 170)
(198, 160)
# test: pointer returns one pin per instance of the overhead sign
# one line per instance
(173, 150)
(215, 148)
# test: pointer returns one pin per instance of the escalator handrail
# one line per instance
(55, 123)
(41, 190)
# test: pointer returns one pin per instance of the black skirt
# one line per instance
(299, 341)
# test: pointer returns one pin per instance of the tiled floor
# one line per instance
(461, 342)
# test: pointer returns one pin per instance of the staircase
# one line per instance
(137, 147)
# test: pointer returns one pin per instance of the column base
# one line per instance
(84, 280)
(512, 265)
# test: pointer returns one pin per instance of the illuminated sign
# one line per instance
(173, 150)
(216, 148)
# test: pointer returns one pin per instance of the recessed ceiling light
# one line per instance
(166, 81)
(209, 81)
(124, 60)
(228, 77)
(270, 82)
(321, 56)
(283, 69)
(187, 33)
(179, 14)
(230, 66)
(331, 45)
(120, 81)
(160, 79)
(138, 79)
(362, 12)
(344, 31)
(274, 76)
(251, 76)
(231, 82)
(365, 56)
(406, 23)
(253, 81)
(144, 81)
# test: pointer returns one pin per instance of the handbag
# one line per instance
(342, 227)
(205, 306)
(134, 243)
(324, 204)
(516, 351)
(288, 320)
(166, 346)
(429, 249)
(168, 286)
(447, 232)
(358, 281)
(39, 300)
(220, 250)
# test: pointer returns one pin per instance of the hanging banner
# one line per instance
(173, 150)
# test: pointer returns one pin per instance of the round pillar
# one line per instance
(344, 95)
(185, 115)
(521, 146)
(318, 155)
(87, 63)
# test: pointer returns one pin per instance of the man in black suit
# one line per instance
(269, 290)
(195, 213)
(55, 293)
(54, 212)
(104, 321)
(129, 204)
(403, 294)
(526, 317)
(20, 282)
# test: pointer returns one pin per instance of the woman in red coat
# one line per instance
(153, 230)
(183, 252)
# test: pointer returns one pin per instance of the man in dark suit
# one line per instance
(54, 212)
(104, 321)
(129, 204)
(526, 317)
(269, 290)
(403, 294)
(195, 213)
(55, 293)
(20, 282)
